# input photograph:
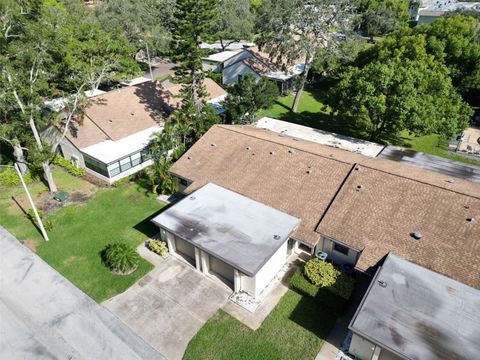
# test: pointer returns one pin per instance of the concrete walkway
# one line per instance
(169, 305)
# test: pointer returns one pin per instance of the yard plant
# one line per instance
(158, 247)
(121, 258)
(324, 275)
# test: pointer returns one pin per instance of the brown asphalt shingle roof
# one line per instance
(395, 199)
(118, 114)
(244, 164)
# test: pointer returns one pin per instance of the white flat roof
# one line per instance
(450, 5)
(109, 151)
(285, 75)
(44, 316)
(222, 56)
(234, 228)
(136, 81)
(419, 314)
(359, 146)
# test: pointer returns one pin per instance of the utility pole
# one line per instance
(149, 62)
(39, 220)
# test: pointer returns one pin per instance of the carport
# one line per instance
(224, 234)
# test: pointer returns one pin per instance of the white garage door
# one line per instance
(222, 270)
(185, 249)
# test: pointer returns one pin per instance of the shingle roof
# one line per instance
(395, 199)
(213, 89)
(267, 172)
(118, 114)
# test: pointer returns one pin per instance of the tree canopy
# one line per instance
(381, 17)
(292, 31)
(455, 41)
(397, 85)
(235, 22)
(143, 22)
(247, 97)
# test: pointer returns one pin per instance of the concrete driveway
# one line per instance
(168, 306)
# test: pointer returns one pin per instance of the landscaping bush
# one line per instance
(121, 258)
(158, 247)
(324, 275)
(9, 177)
(72, 169)
(31, 215)
(121, 182)
(300, 284)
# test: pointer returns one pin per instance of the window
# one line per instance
(125, 164)
(340, 248)
(114, 169)
(183, 182)
(136, 159)
(145, 154)
(95, 165)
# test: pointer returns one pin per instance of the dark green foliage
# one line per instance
(381, 17)
(235, 22)
(121, 258)
(146, 21)
(247, 97)
(455, 41)
(397, 85)
(31, 215)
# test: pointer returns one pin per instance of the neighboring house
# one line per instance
(343, 142)
(217, 46)
(235, 64)
(355, 208)
(410, 312)
(225, 234)
(428, 11)
(111, 139)
(216, 95)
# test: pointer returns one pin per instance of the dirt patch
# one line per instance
(47, 203)
(31, 244)
(96, 181)
(78, 196)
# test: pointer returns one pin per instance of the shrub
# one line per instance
(121, 258)
(49, 225)
(9, 177)
(324, 275)
(301, 285)
(72, 169)
(31, 215)
(320, 273)
(158, 247)
(121, 182)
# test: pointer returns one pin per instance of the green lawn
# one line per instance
(295, 329)
(314, 112)
(82, 230)
(429, 144)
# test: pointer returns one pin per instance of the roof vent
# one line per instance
(416, 235)
(213, 145)
(450, 181)
(248, 147)
(189, 157)
(272, 152)
(309, 171)
(466, 206)
(132, 113)
(357, 168)
(276, 237)
(290, 151)
(192, 198)
(253, 154)
(359, 187)
(382, 283)
(470, 219)
(110, 120)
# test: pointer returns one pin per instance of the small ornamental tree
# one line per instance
(247, 97)
(121, 258)
(320, 273)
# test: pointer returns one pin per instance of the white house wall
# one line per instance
(231, 74)
(361, 348)
(255, 285)
(336, 256)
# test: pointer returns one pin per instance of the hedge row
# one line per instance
(67, 165)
